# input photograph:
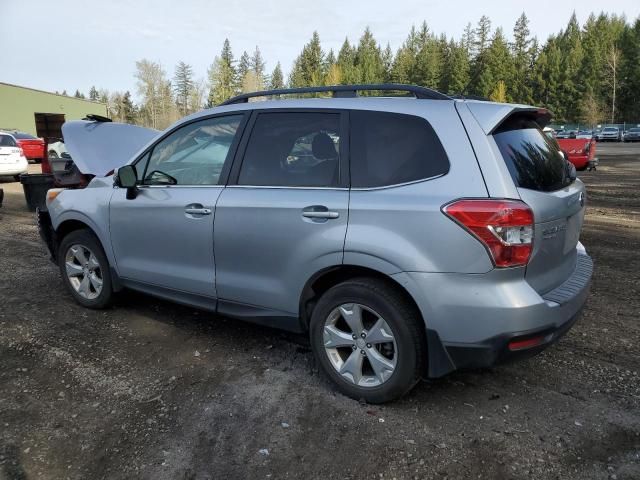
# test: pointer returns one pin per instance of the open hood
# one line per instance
(97, 148)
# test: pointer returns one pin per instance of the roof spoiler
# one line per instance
(491, 115)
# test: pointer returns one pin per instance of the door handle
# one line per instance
(197, 211)
(318, 211)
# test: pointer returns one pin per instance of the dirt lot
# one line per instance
(152, 390)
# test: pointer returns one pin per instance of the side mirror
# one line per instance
(127, 178)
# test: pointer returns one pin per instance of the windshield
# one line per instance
(611, 129)
(534, 160)
(634, 130)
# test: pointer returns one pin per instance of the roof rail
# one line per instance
(343, 91)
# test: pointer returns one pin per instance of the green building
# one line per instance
(20, 106)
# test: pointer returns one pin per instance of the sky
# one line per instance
(58, 45)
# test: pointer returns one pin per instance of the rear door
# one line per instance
(283, 217)
(542, 179)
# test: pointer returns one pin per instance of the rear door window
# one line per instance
(293, 149)
(391, 148)
(534, 161)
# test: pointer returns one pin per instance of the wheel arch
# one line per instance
(328, 277)
(69, 225)
(438, 360)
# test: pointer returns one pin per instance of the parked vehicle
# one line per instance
(609, 134)
(408, 237)
(33, 147)
(57, 150)
(12, 159)
(585, 134)
(578, 152)
(563, 134)
(632, 135)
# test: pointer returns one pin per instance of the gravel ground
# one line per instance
(152, 390)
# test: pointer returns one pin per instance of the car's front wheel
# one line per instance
(369, 339)
(85, 269)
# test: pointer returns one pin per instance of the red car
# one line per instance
(33, 147)
(580, 151)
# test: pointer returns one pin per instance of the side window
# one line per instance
(192, 155)
(296, 149)
(141, 165)
(392, 148)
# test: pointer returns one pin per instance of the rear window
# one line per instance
(7, 141)
(533, 160)
(392, 148)
(24, 136)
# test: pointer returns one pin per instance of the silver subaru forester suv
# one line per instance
(409, 235)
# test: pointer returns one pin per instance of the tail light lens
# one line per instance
(505, 227)
(21, 151)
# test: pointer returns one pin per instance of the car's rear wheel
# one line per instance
(53, 154)
(369, 339)
(85, 269)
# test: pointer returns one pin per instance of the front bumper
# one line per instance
(471, 320)
(47, 233)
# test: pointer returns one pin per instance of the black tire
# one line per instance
(53, 154)
(16, 178)
(403, 319)
(87, 239)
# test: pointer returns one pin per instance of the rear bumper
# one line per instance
(472, 319)
(14, 169)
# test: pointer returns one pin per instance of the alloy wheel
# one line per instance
(360, 345)
(83, 271)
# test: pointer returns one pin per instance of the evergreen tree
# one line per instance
(629, 103)
(128, 108)
(521, 50)
(455, 75)
(64, 92)
(482, 36)
(405, 59)
(277, 79)
(183, 86)
(222, 76)
(481, 82)
(93, 94)
(347, 62)
(257, 65)
(547, 77)
(78, 94)
(387, 63)
(368, 59)
(244, 65)
(570, 43)
(308, 67)
(499, 67)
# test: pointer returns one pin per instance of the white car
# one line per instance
(12, 159)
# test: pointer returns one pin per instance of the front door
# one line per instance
(164, 236)
(283, 216)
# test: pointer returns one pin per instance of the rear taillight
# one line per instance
(21, 151)
(505, 227)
